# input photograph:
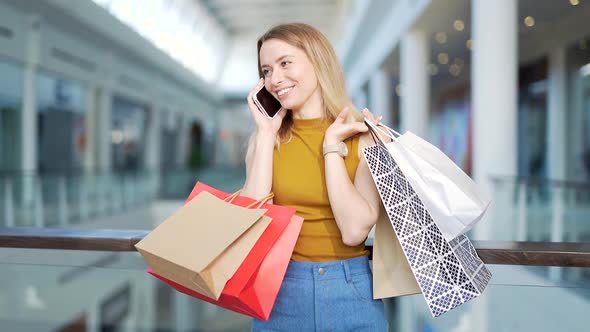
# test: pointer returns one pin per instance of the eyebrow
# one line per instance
(278, 60)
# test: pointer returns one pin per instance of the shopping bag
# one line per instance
(203, 243)
(258, 296)
(448, 273)
(392, 275)
(452, 198)
(266, 283)
(274, 248)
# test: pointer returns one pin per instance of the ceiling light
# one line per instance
(574, 2)
(441, 37)
(433, 69)
(469, 44)
(443, 58)
(117, 136)
(529, 21)
(459, 25)
(455, 70)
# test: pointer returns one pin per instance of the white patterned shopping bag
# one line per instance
(453, 199)
(448, 273)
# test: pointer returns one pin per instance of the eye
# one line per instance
(265, 72)
(285, 63)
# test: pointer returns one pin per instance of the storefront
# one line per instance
(450, 126)
(128, 134)
(61, 124)
(11, 83)
(532, 120)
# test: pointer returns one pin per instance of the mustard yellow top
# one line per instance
(299, 182)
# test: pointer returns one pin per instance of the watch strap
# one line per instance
(333, 148)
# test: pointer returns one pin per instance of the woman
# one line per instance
(299, 156)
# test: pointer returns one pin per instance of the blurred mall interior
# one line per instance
(111, 110)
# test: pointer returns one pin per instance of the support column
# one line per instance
(556, 147)
(105, 102)
(103, 139)
(380, 91)
(556, 115)
(494, 97)
(415, 80)
(104, 109)
(29, 127)
(494, 87)
(153, 148)
(91, 123)
(183, 141)
(153, 143)
(90, 162)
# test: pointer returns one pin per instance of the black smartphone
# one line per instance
(266, 103)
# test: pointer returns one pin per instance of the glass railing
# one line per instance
(103, 286)
(46, 290)
(107, 288)
(517, 299)
(92, 200)
(114, 297)
(52, 200)
(541, 210)
(177, 184)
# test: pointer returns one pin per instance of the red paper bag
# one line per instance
(251, 291)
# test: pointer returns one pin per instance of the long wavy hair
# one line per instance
(326, 66)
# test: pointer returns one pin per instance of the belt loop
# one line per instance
(346, 271)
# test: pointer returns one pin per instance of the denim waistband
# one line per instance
(328, 270)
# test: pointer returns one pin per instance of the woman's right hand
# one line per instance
(263, 124)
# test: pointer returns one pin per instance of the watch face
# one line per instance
(343, 149)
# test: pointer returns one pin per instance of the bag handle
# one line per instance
(233, 196)
(392, 133)
(261, 201)
(257, 204)
(387, 132)
(376, 131)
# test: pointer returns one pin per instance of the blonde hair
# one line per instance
(326, 66)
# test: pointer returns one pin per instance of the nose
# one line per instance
(277, 78)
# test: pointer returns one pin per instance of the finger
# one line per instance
(256, 88)
(342, 116)
(360, 127)
(281, 114)
(367, 114)
(250, 99)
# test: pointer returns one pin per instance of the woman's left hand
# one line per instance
(339, 130)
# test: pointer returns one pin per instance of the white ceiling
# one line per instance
(253, 17)
(549, 16)
(246, 20)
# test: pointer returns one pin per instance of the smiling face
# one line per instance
(290, 77)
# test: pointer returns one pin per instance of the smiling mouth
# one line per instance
(284, 92)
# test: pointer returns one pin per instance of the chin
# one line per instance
(289, 105)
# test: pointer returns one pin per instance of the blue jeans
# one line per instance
(327, 296)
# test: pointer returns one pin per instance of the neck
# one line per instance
(311, 109)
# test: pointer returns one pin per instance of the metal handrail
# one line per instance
(72, 172)
(565, 254)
